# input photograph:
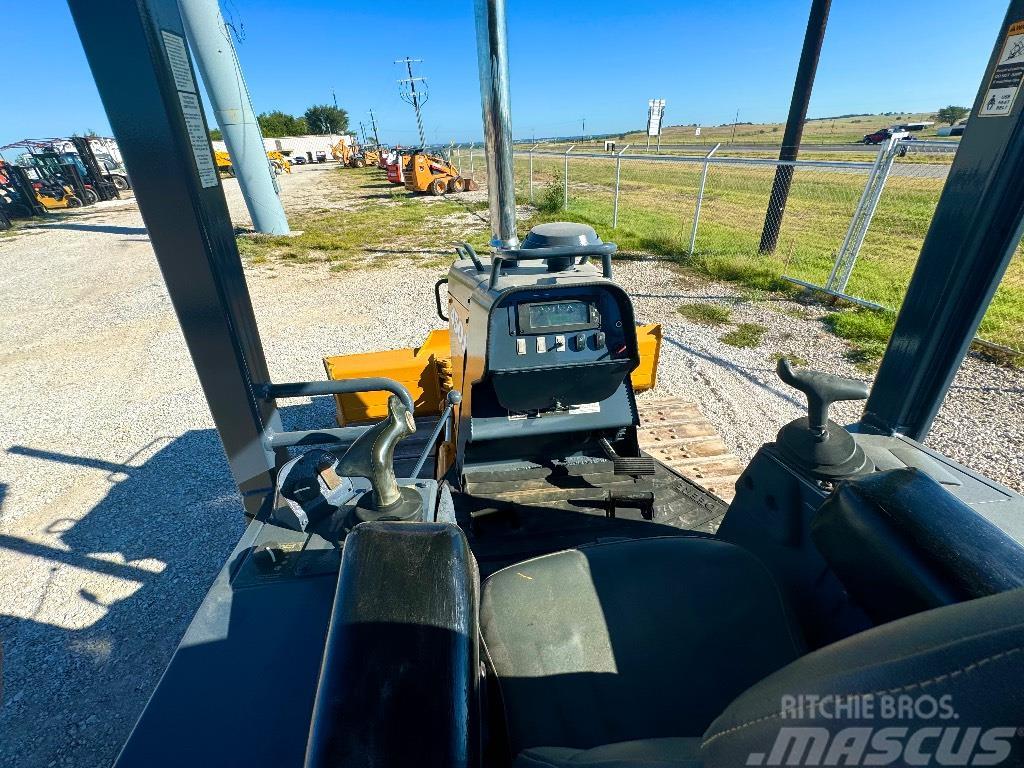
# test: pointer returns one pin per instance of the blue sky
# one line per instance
(597, 60)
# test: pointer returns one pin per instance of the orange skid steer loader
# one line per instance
(434, 174)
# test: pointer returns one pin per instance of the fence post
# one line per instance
(531, 172)
(565, 194)
(700, 197)
(458, 156)
(842, 270)
(889, 157)
(615, 206)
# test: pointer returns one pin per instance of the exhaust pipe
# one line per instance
(492, 58)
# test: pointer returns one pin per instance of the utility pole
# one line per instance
(218, 63)
(734, 124)
(373, 122)
(813, 38)
(409, 94)
(583, 135)
(362, 132)
(335, 97)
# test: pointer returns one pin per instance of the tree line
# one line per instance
(318, 119)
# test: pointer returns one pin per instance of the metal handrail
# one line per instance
(340, 387)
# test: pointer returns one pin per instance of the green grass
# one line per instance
(816, 131)
(795, 360)
(744, 335)
(705, 313)
(376, 226)
(867, 330)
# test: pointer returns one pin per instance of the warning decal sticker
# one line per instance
(177, 57)
(1008, 75)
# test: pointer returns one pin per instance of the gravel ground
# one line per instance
(116, 506)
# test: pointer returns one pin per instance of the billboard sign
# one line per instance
(655, 112)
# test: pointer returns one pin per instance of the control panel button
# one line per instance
(560, 343)
(542, 345)
(599, 340)
(580, 342)
(520, 346)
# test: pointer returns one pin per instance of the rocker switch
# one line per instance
(599, 340)
(520, 346)
(560, 343)
(542, 345)
(580, 342)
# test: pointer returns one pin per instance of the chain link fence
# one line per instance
(853, 225)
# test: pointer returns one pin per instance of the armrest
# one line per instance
(399, 680)
(901, 544)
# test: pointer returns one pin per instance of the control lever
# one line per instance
(815, 443)
(372, 456)
(822, 389)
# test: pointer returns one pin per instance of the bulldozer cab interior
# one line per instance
(516, 582)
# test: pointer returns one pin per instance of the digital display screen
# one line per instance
(558, 314)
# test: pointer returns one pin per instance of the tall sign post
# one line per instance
(655, 113)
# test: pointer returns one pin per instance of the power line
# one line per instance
(407, 90)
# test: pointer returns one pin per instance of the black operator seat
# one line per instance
(677, 652)
(631, 639)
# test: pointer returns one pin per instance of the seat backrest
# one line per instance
(944, 687)
(901, 544)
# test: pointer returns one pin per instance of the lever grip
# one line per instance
(822, 389)
(372, 455)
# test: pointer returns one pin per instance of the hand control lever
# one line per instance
(815, 443)
(822, 389)
(372, 456)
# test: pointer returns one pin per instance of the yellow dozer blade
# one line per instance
(426, 373)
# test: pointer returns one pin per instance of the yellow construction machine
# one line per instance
(435, 175)
(354, 156)
(281, 163)
(225, 167)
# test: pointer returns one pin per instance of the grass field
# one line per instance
(816, 131)
(656, 209)
(378, 223)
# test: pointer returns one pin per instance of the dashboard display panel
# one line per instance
(558, 316)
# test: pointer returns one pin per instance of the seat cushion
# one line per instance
(630, 640)
(646, 753)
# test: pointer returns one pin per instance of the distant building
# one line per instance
(299, 145)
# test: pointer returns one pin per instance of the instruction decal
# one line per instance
(1008, 75)
(200, 141)
(177, 58)
(569, 410)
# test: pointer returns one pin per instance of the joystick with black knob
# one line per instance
(815, 443)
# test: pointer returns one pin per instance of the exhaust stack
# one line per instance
(492, 58)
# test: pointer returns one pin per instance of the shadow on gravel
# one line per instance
(752, 376)
(72, 695)
(105, 228)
